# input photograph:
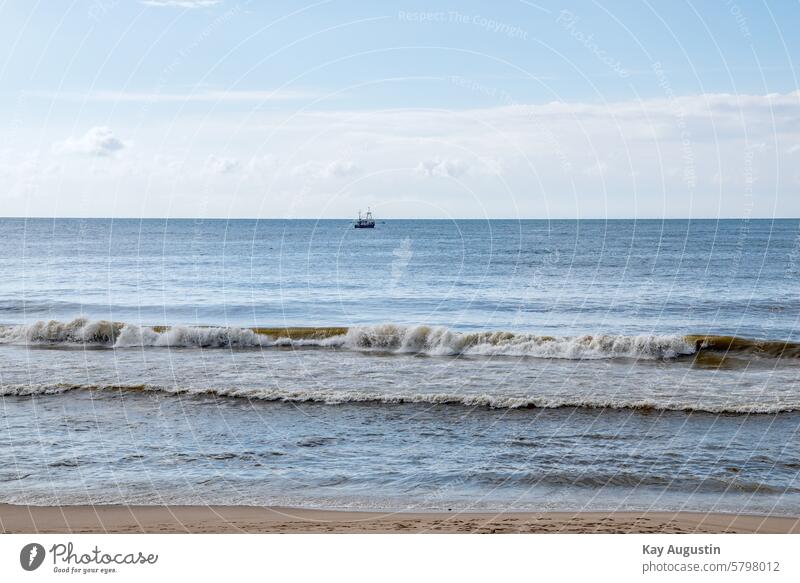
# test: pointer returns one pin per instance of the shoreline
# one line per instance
(256, 519)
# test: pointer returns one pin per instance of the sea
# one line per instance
(421, 365)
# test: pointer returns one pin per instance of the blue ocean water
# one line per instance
(566, 277)
(475, 364)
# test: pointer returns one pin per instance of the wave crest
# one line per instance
(79, 330)
(442, 341)
(337, 397)
(190, 337)
(391, 338)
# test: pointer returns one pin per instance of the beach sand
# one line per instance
(249, 519)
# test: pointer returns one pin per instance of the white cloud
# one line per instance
(181, 3)
(261, 164)
(341, 169)
(335, 169)
(442, 168)
(223, 165)
(98, 141)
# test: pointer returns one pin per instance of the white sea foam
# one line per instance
(435, 341)
(191, 336)
(79, 330)
(441, 341)
(485, 400)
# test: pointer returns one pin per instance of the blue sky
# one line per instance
(437, 109)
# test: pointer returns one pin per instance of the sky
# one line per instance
(429, 109)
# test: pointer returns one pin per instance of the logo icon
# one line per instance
(31, 556)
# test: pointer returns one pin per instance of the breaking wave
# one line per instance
(343, 397)
(442, 341)
(390, 338)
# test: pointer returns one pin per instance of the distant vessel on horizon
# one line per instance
(365, 222)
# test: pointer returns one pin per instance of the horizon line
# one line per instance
(379, 220)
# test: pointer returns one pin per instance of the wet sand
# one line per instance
(251, 519)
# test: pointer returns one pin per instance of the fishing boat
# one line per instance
(364, 222)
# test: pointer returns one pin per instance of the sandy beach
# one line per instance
(247, 519)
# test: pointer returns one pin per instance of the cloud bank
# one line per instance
(98, 141)
(675, 156)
